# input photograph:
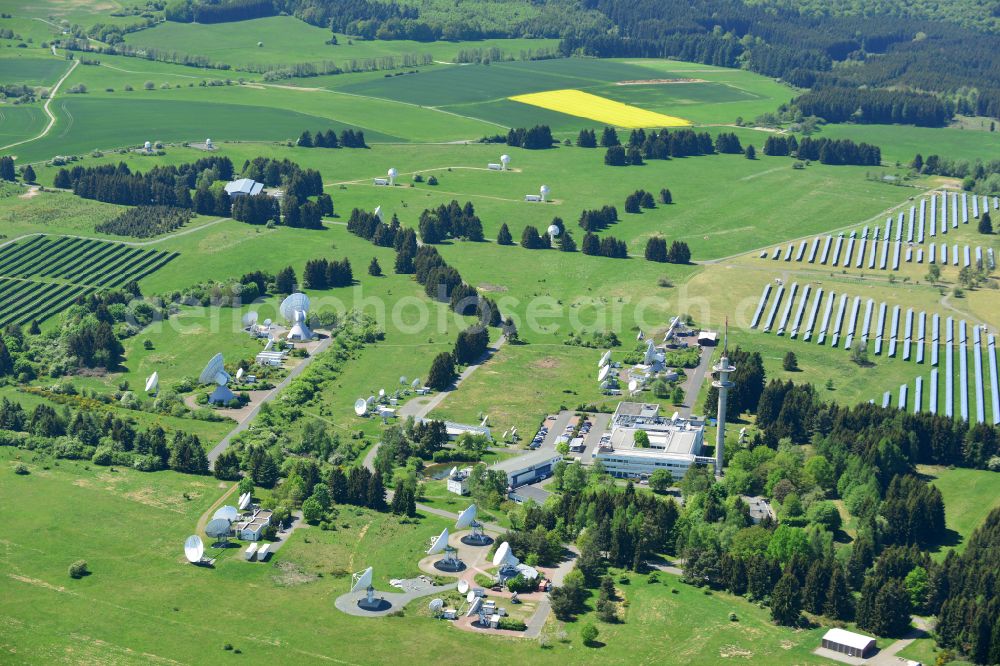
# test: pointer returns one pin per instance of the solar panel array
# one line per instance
(908, 330)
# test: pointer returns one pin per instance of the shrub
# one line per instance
(78, 569)
(21, 468)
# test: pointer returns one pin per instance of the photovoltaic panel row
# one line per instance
(790, 301)
(841, 307)
(760, 306)
(817, 299)
(821, 337)
(949, 369)
(963, 371)
(774, 307)
(977, 367)
(991, 353)
(799, 311)
(851, 323)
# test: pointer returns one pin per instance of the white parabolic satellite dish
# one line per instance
(415, 383)
(632, 386)
(605, 359)
(504, 556)
(250, 318)
(463, 586)
(371, 401)
(603, 373)
(193, 549)
(362, 580)
(227, 512)
(294, 303)
(440, 543)
(435, 605)
(381, 393)
(214, 372)
(466, 518)
(360, 406)
(239, 374)
(402, 380)
(471, 596)
(553, 230)
(152, 382)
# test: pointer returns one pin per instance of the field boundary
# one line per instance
(45, 108)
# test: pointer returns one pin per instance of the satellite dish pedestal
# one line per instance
(477, 537)
(450, 561)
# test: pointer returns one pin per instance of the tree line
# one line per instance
(838, 105)
(327, 274)
(349, 138)
(104, 439)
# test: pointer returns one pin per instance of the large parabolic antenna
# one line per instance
(193, 549)
(604, 359)
(214, 372)
(602, 374)
(440, 543)
(360, 406)
(227, 512)
(463, 586)
(294, 310)
(292, 303)
(415, 383)
(152, 382)
(362, 580)
(218, 528)
(504, 557)
(436, 605)
(466, 518)
(250, 319)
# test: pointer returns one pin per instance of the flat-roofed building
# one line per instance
(529, 468)
(849, 643)
(675, 443)
(244, 187)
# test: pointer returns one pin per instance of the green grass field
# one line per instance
(31, 70)
(286, 40)
(969, 495)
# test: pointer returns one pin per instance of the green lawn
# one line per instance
(902, 142)
(969, 495)
(29, 69)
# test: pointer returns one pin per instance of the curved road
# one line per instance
(52, 117)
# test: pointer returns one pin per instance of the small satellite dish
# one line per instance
(471, 596)
(218, 528)
(505, 160)
(415, 383)
(239, 374)
(267, 323)
(466, 518)
(554, 230)
(463, 586)
(371, 401)
(214, 372)
(435, 605)
(250, 319)
(193, 549)
(297, 302)
(440, 543)
(402, 380)
(362, 580)
(152, 382)
(378, 213)
(227, 512)
(360, 406)
(381, 393)
(633, 386)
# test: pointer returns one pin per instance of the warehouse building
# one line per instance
(849, 643)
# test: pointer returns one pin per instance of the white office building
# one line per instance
(675, 443)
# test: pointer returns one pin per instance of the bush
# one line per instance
(588, 633)
(21, 468)
(510, 624)
(78, 569)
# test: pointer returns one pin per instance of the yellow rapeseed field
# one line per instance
(601, 109)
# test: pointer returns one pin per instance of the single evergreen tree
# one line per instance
(34, 329)
(750, 152)
(442, 372)
(373, 268)
(786, 602)
(503, 236)
(985, 223)
(284, 282)
(666, 197)
(609, 137)
(28, 174)
(591, 244)
(305, 140)
(566, 242)
(838, 604)
(790, 364)
(656, 249)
